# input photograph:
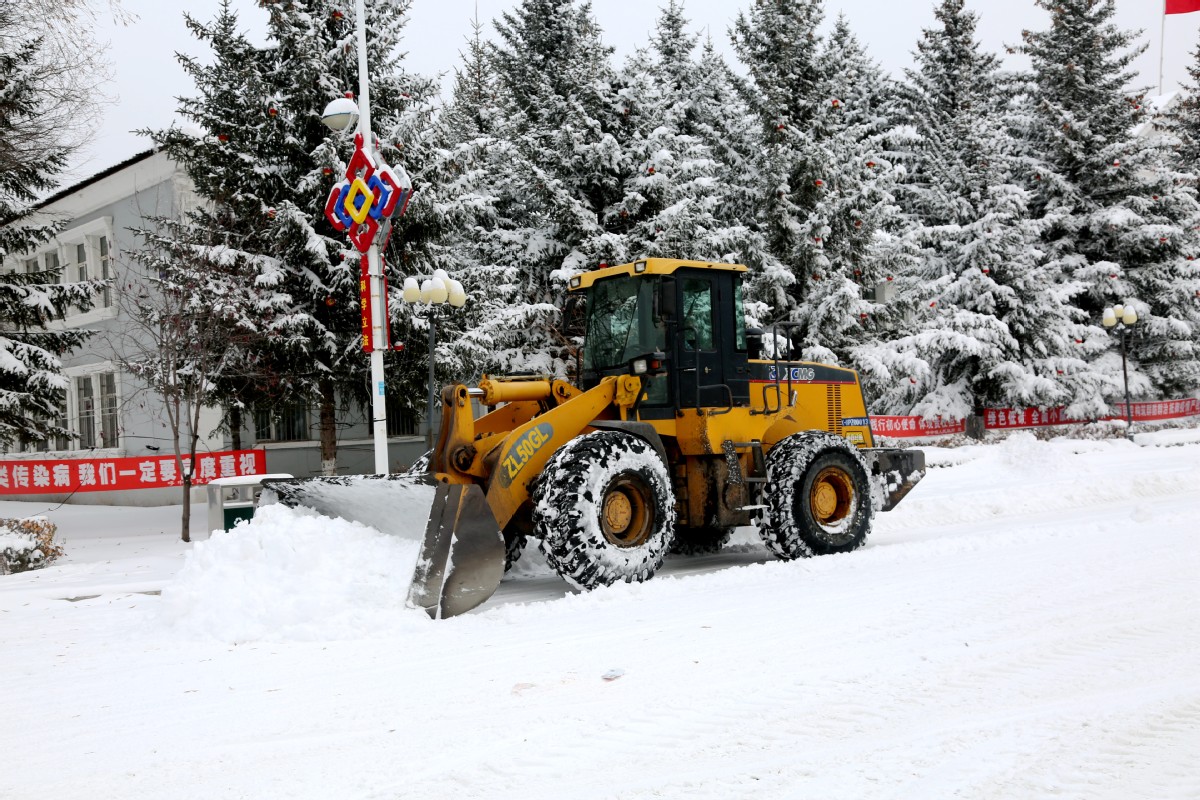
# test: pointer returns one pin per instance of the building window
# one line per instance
(287, 423)
(109, 432)
(86, 412)
(97, 422)
(31, 266)
(81, 265)
(52, 262)
(105, 271)
(399, 421)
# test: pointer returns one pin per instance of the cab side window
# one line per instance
(698, 314)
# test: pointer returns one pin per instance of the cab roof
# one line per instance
(648, 266)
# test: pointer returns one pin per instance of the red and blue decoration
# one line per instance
(370, 193)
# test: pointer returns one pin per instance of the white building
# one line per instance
(110, 413)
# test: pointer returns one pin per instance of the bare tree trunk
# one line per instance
(193, 439)
(184, 469)
(235, 425)
(328, 427)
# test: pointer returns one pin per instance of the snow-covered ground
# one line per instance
(1026, 624)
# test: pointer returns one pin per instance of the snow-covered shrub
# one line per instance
(27, 544)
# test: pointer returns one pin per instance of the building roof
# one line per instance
(99, 176)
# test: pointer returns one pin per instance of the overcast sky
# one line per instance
(146, 77)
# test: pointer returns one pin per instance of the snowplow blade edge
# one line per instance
(462, 551)
(462, 556)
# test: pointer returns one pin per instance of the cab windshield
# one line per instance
(619, 322)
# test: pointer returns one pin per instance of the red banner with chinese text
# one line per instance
(1000, 419)
(901, 427)
(63, 475)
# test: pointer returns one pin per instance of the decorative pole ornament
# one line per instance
(370, 193)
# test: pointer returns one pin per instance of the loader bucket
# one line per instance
(462, 550)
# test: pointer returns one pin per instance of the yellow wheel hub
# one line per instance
(618, 512)
(626, 513)
(831, 496)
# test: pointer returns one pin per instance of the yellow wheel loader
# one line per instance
(678, 431)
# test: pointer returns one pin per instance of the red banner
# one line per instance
(1001, 419)
(1161, 409)
(64, 475)
(1182, 6)
(901, 427)
(364, 299)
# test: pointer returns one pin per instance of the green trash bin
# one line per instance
(233, 499)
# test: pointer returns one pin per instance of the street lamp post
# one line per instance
(1123, 317)
(338, 116)
(433, 292)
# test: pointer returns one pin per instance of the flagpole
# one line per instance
(1162, 48)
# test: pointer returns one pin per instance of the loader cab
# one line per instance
(689, 312)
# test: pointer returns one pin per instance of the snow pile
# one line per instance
(291, 575)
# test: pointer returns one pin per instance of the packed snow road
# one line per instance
(1024, 625)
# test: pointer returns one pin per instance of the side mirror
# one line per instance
(668, 307)
(754, 343)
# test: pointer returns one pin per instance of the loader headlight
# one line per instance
(653, 364)
(576, 281)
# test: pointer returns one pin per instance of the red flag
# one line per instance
(1182, 6)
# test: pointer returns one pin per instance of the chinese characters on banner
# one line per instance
(915, 426)
(1013, 418)
(60, 476)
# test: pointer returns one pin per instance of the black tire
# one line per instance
(604, 510)
(818, 497)
(514, 544)
(700, 541)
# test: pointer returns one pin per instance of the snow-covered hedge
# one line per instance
(27, 544)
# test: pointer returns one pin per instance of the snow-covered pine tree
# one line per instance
(490, 213)
(315, 60)
(722, 119)
(1183, 120)
(854, 208)
(674, 193)
(778, 44)
(225, 237)
(274, 171)
(984, 319)
(1119, 218)
(32, 387)
(823, 182)
(555, 182)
